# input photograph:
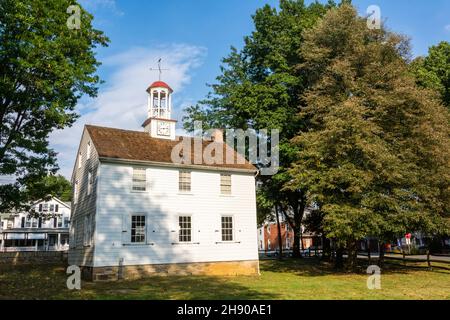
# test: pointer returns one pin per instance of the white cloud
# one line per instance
(123, 102)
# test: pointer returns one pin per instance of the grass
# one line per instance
(288, 279)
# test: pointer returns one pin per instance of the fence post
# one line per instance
(404, 258)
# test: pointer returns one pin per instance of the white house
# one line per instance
(137, 212)
(44, 228)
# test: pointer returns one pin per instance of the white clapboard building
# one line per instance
(137, 212)
(44, 228)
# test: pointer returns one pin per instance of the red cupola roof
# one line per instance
(160, 84)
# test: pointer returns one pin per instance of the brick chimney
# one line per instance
(217, 136)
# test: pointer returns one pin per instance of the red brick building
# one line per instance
(268, 237)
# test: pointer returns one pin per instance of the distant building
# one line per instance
(45, 228)
(268, 240)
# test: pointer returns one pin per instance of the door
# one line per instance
(52, 241)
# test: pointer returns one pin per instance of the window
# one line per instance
(88, 151)
(184, 182)
(66, 222)
(138, 229)
(225, 184)
(52, 207)
(75, 192)
(87, 231)
(90, 181)
(28, 222)
(80, 160)
(45, 207)
(227, 228)
(34, 223)
(56, 207)
(139, 179)
(185, 234)
(60, 223)
(72, 239)
(40, 207)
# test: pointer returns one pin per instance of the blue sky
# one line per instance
(192, 37)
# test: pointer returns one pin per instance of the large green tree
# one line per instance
(433, 70)
(375, 152)
(45, 68)
(52, 185)
(260, 88)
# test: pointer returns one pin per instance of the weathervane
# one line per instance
(159, 69)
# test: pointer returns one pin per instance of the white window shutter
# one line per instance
(149, 227)
(218, 228)
(194, 230)
(126, 229)
(175, 230)
(237, 231)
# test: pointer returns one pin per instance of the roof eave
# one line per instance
(176, 165)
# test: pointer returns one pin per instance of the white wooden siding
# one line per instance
(163, 203)
(79, 253)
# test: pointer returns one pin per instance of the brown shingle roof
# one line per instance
(139, 146)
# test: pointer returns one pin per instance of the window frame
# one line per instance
(80, 160)
(225, 187)
(184, 181)
(88, 150)
(222, 228)
(135, 181)
(144, 231)
(180, 229)
(87, 231)
(76, 191)
(90, 182)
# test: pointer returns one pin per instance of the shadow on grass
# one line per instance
(314, 267)
(49, 282)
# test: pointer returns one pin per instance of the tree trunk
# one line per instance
(368, 252)
(381, 256)
(326, 248)
(280, 241)
(339, 262)
(352, 255)
(296, 247)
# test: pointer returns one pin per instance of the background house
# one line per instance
(268, 240)
(44, 228)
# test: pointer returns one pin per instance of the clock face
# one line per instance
(163, 128)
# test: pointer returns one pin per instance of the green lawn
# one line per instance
(305, 279)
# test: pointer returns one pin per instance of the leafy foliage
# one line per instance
(260, 88)
(53, 185)
(46, 68)
(376, 150)
(433, 71)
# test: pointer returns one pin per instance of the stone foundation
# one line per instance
(33, 257)
(227, 268)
